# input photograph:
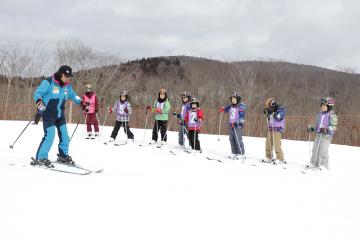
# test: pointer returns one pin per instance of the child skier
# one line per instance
(275, 115)
(161, 109)
(193, 120)
(122, 109)
(90, 105)
(236, 111)
(324, 128)
(185, 97)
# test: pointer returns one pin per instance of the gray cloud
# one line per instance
(322, 32)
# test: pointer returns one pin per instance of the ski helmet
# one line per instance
(195, 101)
(235, 95)
(126, 94)
(88, 88)
(186, 94)
(327, 101)
(270, 102)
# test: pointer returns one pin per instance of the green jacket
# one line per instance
(165, 108)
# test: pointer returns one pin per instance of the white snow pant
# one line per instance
(320, 152)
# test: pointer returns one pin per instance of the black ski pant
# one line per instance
(194, 139)
(161, 126)
(117, 126)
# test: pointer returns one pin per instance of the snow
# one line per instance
(148, 193)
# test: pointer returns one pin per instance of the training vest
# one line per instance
(90, 102)
(323, 121)
(193, 120)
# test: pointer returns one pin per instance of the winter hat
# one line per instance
(66, 70)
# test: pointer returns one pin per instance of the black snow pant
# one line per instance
(159, 125)
(117, 126)
(194, 139)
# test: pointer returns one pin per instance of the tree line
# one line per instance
(298, 87)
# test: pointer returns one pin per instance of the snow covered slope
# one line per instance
(149, 193)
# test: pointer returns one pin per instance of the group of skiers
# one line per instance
(51, 95)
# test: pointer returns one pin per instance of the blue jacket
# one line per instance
(54, 97)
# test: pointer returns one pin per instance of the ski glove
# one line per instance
(126, 110)
(158, 110)
(310, 129)
(110, 110)
(40, 105)
(324, 130)
(222, 109)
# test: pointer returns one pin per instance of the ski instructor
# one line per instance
(50, 98)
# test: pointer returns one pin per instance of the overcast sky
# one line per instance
(318, 32)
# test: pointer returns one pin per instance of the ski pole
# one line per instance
(106, 115)
(221, 116)
(309, 140)
(86, 122)
(125, 126)
(237, 140)
(146, 120)
(103, 125)
(168, 127)
(12, 145)
(77, 124)
(317, 151)
(269, 137)
(98, 122)
(273, 136)
(319, 142)
(184, 131)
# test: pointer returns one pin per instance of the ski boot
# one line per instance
(277, 161)
(65, 160)
(42, 162)
(267, 160)
(89, 135)
(233, 157)
(152, 142)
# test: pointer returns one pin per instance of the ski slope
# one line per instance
(148, 193)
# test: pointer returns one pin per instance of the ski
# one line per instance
(86, 172)
(78, 167)
(213, 159)
(120, 144)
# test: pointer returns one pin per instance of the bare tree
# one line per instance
(15, 62)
